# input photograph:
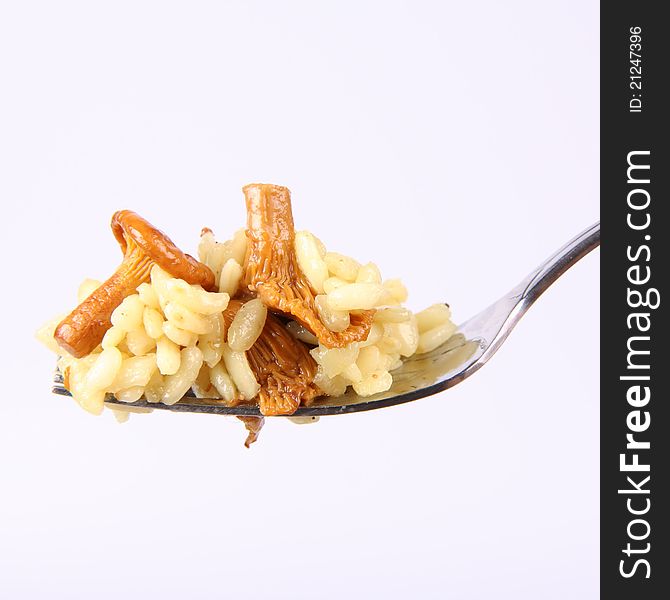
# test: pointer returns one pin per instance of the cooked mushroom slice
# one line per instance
(143, 246)
(253, 426)
(272, 271)
(282, 365)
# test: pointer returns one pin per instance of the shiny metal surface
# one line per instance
(476, 341)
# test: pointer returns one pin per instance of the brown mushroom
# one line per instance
(143, 247)
(282, 365)
(272, 271)
(253, 426)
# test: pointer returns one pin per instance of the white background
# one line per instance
(454, 143)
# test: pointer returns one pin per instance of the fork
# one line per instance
(467, 351)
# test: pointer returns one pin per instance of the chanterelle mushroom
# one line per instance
(282, 365)
(143, 247)
(272, 270)
(253, 426)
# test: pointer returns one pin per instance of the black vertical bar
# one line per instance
(635, 428)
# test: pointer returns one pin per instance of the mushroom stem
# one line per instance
(253, 426)
(272, 271)
(83, 329)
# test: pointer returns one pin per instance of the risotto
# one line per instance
(270, 316)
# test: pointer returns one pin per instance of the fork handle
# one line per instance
(558, 263)
(496, 322)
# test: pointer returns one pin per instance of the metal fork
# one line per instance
(475, 342)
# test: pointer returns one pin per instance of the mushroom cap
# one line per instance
(160, 248)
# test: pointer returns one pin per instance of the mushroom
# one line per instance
(253, 426)
(281, 364)
(143, 247)
(272, 271)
